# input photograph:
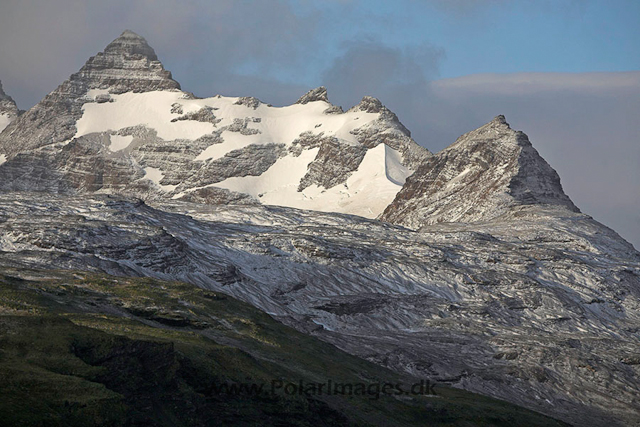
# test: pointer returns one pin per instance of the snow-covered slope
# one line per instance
(165, 143)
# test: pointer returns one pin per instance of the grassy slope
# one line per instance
(85, 349)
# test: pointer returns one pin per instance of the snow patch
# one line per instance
(92, 93)
(279, 184)
(4, 121)
(3, 158)
(396, 171)
(155, 175)
(151, 109)
(119, 142)
(367, 192)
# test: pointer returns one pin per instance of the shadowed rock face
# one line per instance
(481, 176)
(127, 64)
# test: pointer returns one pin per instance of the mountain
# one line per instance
(8, 109)
(470, 267)
(483, 175)
(121, 124)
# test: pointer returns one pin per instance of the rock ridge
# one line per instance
(484, 174)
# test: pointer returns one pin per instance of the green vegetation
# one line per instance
(81, 349)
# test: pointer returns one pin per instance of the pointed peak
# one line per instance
(317, 94)
(130, 43)
(486, 173)
(5, 99)
(500, 119)
(127, 64)
(130, 34)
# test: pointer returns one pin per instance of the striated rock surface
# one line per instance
(483, 175)
(317, 94)
(503, 287)
(540, 308)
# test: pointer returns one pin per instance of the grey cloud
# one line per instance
(399, 77)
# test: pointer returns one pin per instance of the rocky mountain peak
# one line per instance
(481, 176)
(132, 44)
(2, 94)
(500, 120)
(6, 101)
(317, 94)
(127, 64)
(369, 104)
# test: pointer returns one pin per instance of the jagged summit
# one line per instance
(127, 64)
(369, 104)
(500, 119)
(6, 102)
(3, 95)
(481, 176)
(317, 94)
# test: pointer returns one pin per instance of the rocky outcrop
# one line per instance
(8, 109)
(128, 64)
(387, 129)
(483, 175)
(334, 164)
(317, 94)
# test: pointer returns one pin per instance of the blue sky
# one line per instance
(484, 36)
(566, 72)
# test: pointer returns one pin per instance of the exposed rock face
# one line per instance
(8, 109)
(334, 163)
(317, 94)
(481, 176)
(540, 308)
(388, 130)
(127, 64)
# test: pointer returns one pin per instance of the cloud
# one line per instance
(398, 77)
